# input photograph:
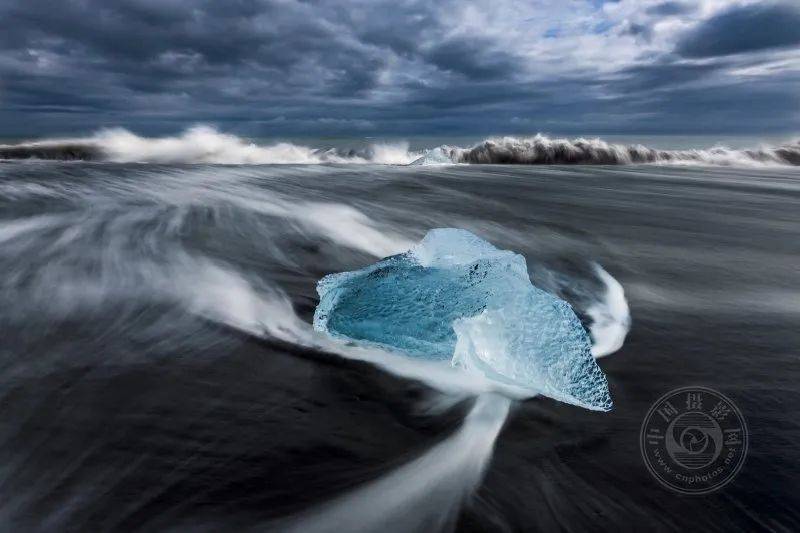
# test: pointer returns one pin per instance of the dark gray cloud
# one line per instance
(637, 30)
(664, 73)
(666, 9)
(292, 67)
(473, 58)
(744, 29)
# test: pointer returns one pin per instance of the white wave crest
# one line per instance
(542, 150)
(206, 145)
(199, 144)
(203, 144)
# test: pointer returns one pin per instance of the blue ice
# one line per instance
(455, 297)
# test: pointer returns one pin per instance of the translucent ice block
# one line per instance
(456, 297)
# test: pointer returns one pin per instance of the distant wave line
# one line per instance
(205, 145)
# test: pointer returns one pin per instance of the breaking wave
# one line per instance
(205, 145)
(200, 144)
(542, 150)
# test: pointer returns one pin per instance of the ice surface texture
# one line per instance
(456, 297)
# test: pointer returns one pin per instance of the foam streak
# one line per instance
(424, 494)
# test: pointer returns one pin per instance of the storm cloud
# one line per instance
(744, 29)
(365, 68)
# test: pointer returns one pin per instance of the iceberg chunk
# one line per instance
(455, 297)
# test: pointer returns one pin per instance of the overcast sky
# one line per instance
(374, 67)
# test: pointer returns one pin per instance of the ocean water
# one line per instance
(160, 372)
